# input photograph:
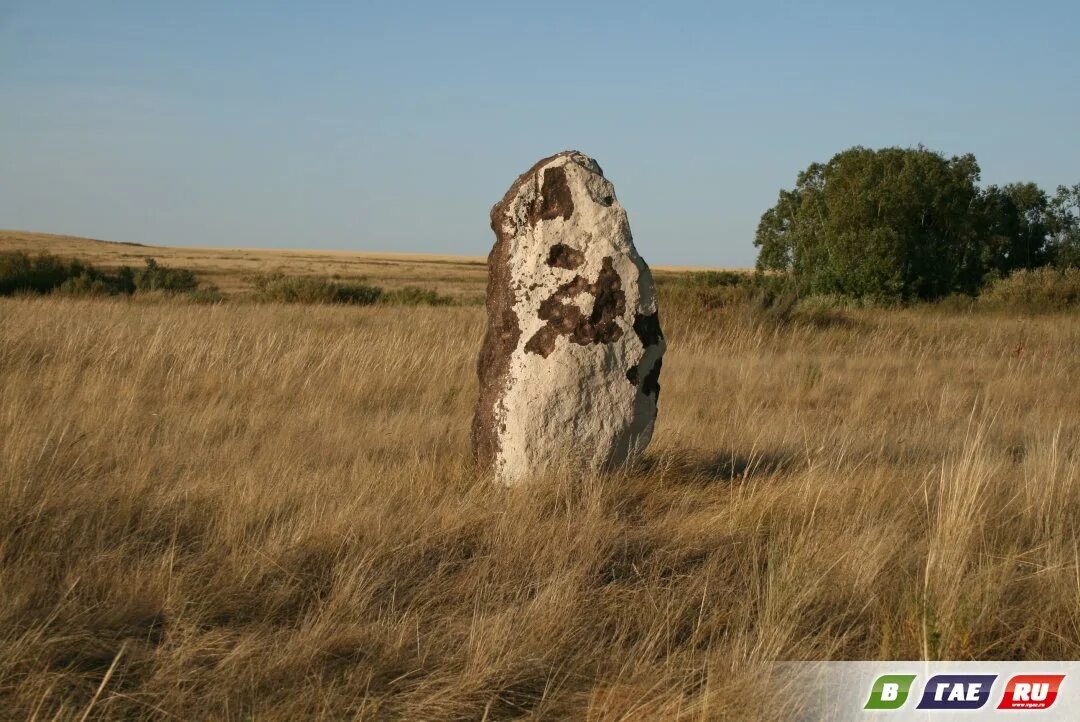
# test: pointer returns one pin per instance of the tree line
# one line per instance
(907, 224)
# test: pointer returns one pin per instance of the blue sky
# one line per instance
(396, 125)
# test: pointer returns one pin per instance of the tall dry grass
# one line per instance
(237, 512)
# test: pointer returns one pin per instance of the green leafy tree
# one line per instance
(1064, 227)
(1013, 223)
(892, 224)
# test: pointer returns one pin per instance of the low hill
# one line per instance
(229, 268)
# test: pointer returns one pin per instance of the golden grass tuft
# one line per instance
(261, 511)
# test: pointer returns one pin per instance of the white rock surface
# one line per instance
(571, 360)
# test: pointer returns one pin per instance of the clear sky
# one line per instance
(396, 125)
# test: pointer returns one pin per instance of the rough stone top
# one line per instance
(559, 159)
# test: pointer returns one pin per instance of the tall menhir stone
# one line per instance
(570, 366)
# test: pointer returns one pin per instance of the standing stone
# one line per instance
(570, 365)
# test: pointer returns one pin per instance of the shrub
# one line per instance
(721, 289)
(279, 288)
(413, 296)
(86, 284)
(287, 289)
(22, 273)
(125, 280)
(1041, 289)
(704, 289)
(756, 299)
(155, 277)
(360, 294)
(713, 279)
(45, 273)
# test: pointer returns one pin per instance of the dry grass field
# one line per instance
(257, 511)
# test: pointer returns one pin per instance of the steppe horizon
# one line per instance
(9, 236)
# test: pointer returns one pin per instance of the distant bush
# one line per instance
(1041, 289)
(360, 294)
(722, 289)
(705, 289)
(87, 284)
(714, 279)
(279, 288)
(155, 277)
(761, 299)
(44, 273)
(413, 296)
(22, 273)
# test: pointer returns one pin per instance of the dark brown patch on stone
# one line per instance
(648, 329)
(564, 256)
(542, 342)
(499, 210)
(554, 200)
(565, 318)
(632, 375)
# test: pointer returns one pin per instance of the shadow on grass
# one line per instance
(688, 466)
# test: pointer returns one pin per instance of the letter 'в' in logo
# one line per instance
(890, 691)
(957, 691)
(1031, 691)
